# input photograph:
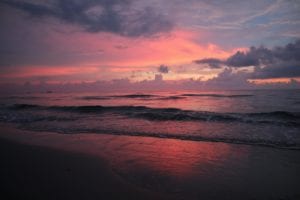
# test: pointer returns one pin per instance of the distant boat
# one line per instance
(49, 91)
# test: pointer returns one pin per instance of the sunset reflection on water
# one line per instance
(171, 157)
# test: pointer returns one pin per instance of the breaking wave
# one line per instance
(281, 118)
(218, 95)
(85, 119)
(159, 97)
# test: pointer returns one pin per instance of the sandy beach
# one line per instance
(31, 172)
(41, 165)
(39, 172)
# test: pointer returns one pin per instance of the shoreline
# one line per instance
(147, 168)
(39, 172)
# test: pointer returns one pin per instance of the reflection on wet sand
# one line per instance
(170, 157)
(206, 170)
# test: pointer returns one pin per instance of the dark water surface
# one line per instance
(266, 117)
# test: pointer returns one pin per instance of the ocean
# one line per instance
(185, 144)
(262, 117)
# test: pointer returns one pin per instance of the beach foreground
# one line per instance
(31, 172)
(42, 165)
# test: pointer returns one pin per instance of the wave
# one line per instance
(218, 95)
(95, 98)
(81, 119)
(281, 118)
(133, 96)
(159, 97)
(290, 144)
(23, 97)
(253, 141)
(24, 106)
(169, 98)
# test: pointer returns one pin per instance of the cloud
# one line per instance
(211, 62)
(114, 16)
(163, 69)
(229, 79)
(288, 69)
(254, 57)
(269, 63)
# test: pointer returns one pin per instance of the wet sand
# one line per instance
(38, 172)
(41, 165)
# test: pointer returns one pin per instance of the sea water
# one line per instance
(262, 117)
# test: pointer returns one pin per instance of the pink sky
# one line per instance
(42, 41)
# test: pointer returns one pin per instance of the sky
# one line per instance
(213, 42)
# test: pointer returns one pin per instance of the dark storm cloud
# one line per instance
(163, 69)
(269, 63)
(115, 16)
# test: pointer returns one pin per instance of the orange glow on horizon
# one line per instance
(106, 56)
